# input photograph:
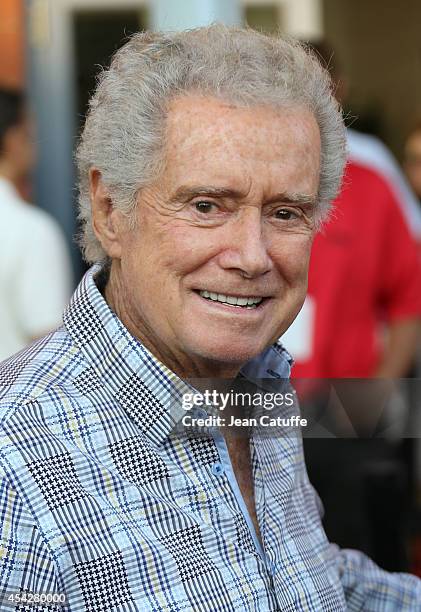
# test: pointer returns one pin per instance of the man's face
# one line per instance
(216, 269)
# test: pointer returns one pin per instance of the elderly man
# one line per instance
(207, 163)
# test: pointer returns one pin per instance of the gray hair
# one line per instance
(124, 133)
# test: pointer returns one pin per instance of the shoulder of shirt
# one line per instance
(370, 149)
(30, 217)
(369, 152)
(27, 376)
(373, 153)
(359, 175)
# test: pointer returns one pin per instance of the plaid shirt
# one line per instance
(100, 502)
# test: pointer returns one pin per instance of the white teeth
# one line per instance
(232, 300)
(251, 301)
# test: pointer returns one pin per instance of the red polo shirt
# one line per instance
(364, 270)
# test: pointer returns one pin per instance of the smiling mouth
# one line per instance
(232, 300)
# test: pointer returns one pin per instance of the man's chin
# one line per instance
(231, 358)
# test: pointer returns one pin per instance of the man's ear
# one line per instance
(108, 223)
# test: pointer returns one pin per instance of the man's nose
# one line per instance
(245, 247)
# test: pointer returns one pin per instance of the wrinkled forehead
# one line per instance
(217, 118)
(210, 135)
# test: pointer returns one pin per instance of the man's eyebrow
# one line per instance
(184, 193)
(302, 199)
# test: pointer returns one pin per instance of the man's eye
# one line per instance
(285, 214)
(204, 207)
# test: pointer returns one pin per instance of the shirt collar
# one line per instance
(149, 391)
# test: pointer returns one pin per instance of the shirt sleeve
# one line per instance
(369, 588)
(44, 278)
(25, 560)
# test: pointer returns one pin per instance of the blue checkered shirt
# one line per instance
(100, 502)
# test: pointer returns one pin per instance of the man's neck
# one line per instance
(8, 173)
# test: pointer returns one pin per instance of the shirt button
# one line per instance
(217, 469)
(272, 569)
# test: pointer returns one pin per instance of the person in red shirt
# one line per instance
(360, 320)
(364, 280)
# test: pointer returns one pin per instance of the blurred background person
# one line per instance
(370, 151)
(35, 273)
(412, 159)
(364, 300)
(371, 296)
(361, 319)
